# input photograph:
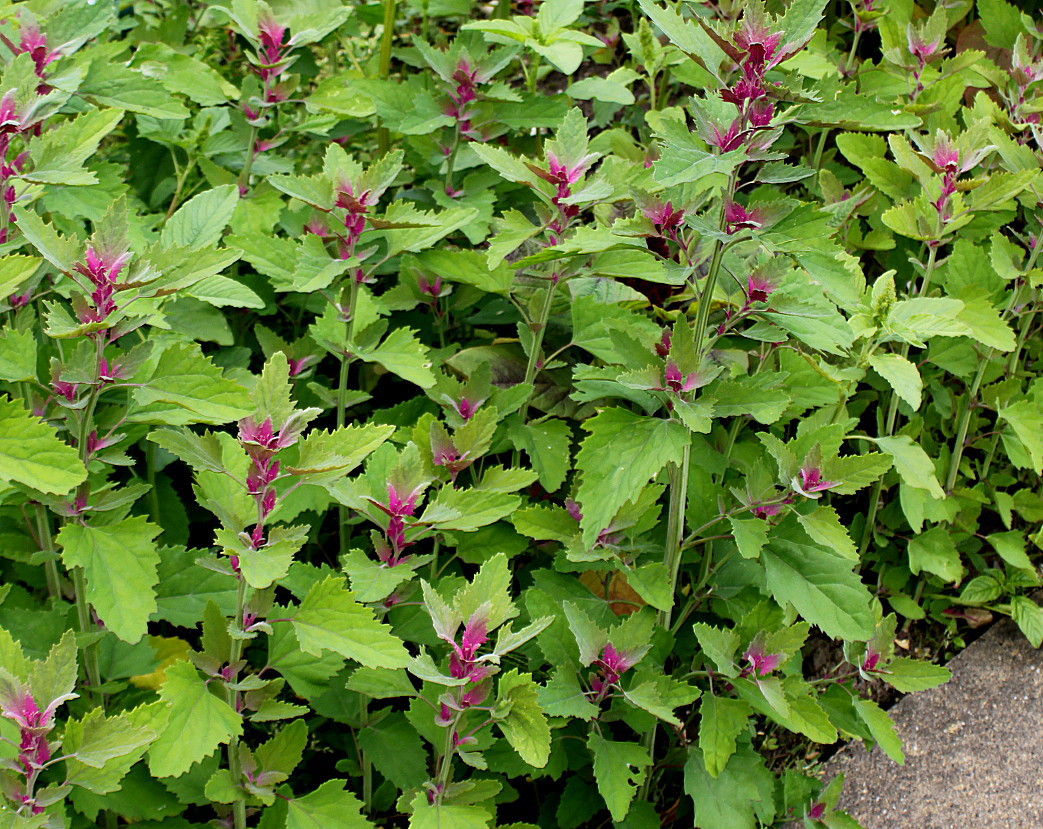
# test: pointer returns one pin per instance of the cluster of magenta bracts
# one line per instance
(34, 751)
(467, 80)
(562, 177)
(398, 509)
(610, 665)
(273, 58)
(102, 271)
(261, 443)
(464, 664)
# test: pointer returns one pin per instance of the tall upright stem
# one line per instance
(342, 396)
(232, 697)
(892, 417)
(538, 329)
(46, 541)
(384, 66)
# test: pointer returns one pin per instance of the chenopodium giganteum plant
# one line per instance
(388, 440)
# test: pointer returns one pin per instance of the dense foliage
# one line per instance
(442, 414)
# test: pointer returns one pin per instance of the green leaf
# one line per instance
(619, 768)
(15, 270)
(525, 725)
(901, 375)
(466, 510)
(102, 739)
(1026, 419)
(1011, 548)
(740, 797)
(912, 463)
(620, 455)
(101, 750)
(196, 389)
(430, 816)
(911, 675)
(751, 534)
(548, 446)
(721, 720)
(198, 451)
(819, 584)
(823, 527)
(199, 221)
(403, 354)
(60, 153)
(17, 354)
(935, 551)
(1029, 617)
(329, 618)
(31, 453)
(1001, 21)
(120, 562)
(660, 695)
(339, 451)
(330, 806)
(882, 729)
(198, 723)
(563, 697)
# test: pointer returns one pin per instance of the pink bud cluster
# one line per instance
(464, 663)
(467, 80)
(102, 270)
(755, 49)
(563, 177)
(261, 442)
(398, 509)
(273, 58)
(33, 42)
(760, 662)
(34, 751)
(611, 665)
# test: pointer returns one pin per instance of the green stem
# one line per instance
(850, 62)
(451, 161)
(966, 409)
(384, 66)
(892, 417)
(46, 542)
(235, 769)
(502, 10)
(244, 174)
(86, 625)
(151, 450)
(538, 329)
(823, 137)
(342, 393)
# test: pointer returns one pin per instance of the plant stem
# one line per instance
(232, 697)
(86, 625)
(46, 542)
(965, 419)
(150, 473)
(538, 328)
(892, 416)
(342, 393)
(244, 174)
(451, 160)
(384, 66)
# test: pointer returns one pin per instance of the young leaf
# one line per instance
(330, 806)
(620, 455)
(198, 722)
(525, 725)
(329, 618)
(721, 719)
(120, 562)
(31, 453)
(619, 768)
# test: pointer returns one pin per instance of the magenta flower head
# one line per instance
(665, 218)
(678, 383)
(614, 664)
(810, 481)
(758, 288)
(737, 217)
(559, 173)
(761, 663)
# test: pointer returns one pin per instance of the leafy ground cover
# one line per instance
(440, 414)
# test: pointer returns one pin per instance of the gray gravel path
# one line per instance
(974, 747)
